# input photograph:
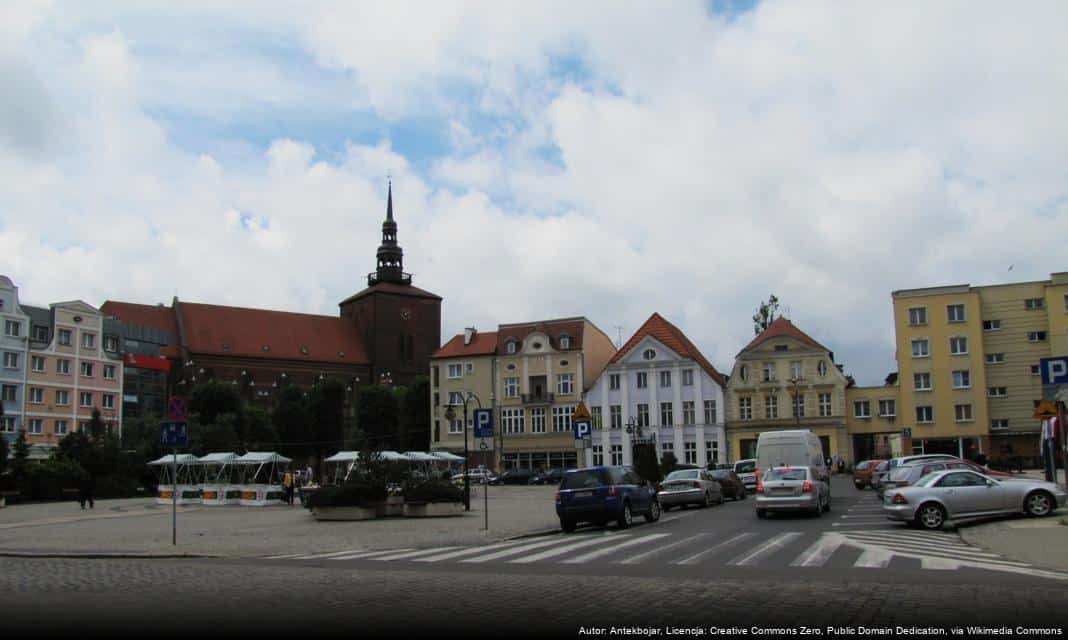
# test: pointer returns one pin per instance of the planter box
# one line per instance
(393, 507)
(345, 513)
(433, 509)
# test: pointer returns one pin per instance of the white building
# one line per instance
(658, 382)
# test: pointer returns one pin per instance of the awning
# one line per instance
(261, 457)
(445, 455)
(420, 456)
(218, 458)
(159, 363)
(344, 456)
(392, 456)
(185, 458)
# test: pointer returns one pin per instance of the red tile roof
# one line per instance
(673, 338)
(146, 315)
(481, 344)
(296, 336)
(573, 327)
(781, 327)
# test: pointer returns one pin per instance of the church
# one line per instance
(384, 333)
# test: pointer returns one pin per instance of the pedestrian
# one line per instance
(841, 465)
(308, 475)
(86, 488)
(287, 484)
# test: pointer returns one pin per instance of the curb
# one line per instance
(102, 555)
(533, 534)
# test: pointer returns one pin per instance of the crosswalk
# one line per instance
(860, 549)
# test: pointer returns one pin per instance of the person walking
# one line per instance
(287, 483)
(87, 488)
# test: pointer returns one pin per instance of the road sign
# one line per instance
(582, 432)
(1054, 370)
(907, 432)
(178, 409)
(173, 434)
(483, 428)
(1045, 410)
(581, 412)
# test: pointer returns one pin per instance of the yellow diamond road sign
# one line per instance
(1045, 409)
(581, 412)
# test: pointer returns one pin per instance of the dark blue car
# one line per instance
(604, 494)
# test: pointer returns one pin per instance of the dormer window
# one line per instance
(743, 373)
(649, 354)
(510, 347)
(821, 368)
(565, 341)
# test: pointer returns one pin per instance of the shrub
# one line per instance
(433, 491)
(355, 493)
(117, 487)
(47, 479)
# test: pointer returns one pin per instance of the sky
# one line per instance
(549, 159)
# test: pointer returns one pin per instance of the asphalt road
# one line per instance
(701, 568)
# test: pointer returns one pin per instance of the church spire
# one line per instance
(389, 202)
(390, 255)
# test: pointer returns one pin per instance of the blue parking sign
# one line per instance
(582, 429)
(1054, 370)
(483, 423)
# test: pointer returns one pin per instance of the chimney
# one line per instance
(469, 332)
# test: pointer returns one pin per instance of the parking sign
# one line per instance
(483, 429)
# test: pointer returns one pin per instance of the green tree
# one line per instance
(376, 413)
(21, 455)
(645, 462)
(326, 408)
(668, 463)
(415, 416)
(97, 428)
(213, 398)
(254, 428)
(291, 419)
(4, 449)
(220, 437)
(765, 314)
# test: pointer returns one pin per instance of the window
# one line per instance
(60, 427)
(36, 395)
(958, 345)
(1066, 302)
(85, 399)
(88, 340)
(596, 419)
(1034, 304)
(8, 393)
(562, 418)
(36, 426)
(962, 379)
(83, 427)
(613, 381)
(920, 348)
(617, 454)
(598, 455)
(743, 373)
(745, 408)
(12, 328)
(997, 392)
(643, 415)
(917, 315)
(456, 398)
(798, 402)
(1034, 370)
(437, 399)
(111, 343)
(690, 452)
(456, 426)
(924, 414)
(63, 366)
(64, 337)
(615, 416)
(40, 334)
(887, 408)
(782, 347)
(537, 420)
(768, 372)
(687, 377)
(87, 369)
(1036, 336)
(565, 383)
(995, 358)
(11, 360)
(7, 424)
(689, 416)
(825, 405)
(512, 420)
(469, 368)
(921, 381)
(511, 387)
(862, 409)
(821, 368)
(510, 348)
(710, 412)
(62, 397)
(795, 370)
(955, 313)
(771, 407)
(712, 450)
(107, 401)
(565, 342)
(665, 378)
(37, 363)
(109, 372)
(991, 325)
(642, 380)
(667, 417)
(998, 424)
(456, 370)
(667, 446)
(649, 354)
(963, 412)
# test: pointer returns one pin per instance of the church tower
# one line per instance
(390, 255)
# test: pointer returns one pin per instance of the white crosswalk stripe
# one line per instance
(412, 554)
(559, 551)
(367, 554)
(466, 552)
(661, 549)
(610, 550)
(767, 548)
(694, 559)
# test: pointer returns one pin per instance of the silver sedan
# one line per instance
(689, 486)
(959, 495)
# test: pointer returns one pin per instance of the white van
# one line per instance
(794, 448)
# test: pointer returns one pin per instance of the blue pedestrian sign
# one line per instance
(1054, 370)
(173, 434)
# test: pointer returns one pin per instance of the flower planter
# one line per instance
(433, 509)
(393, 507)
(345, 513)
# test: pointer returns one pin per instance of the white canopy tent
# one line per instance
(261, 474)
(343, 462)
(182, 470)
(218, 471)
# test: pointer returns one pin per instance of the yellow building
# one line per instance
(873, 422)
(784, 379)
(462, 366)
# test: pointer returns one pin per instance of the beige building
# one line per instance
(873, 422)
(462, 366)
(784, 379)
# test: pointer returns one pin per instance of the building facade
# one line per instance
(462, 366)
(873, 422)
(657, 385)
(14, 343)
(784, 379)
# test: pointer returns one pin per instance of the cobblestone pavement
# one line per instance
(164, 598)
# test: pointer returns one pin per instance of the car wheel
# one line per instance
(721, 498)
(666, 508)
(625, 518)
(931, 516)
(743, 494)
(1038, 504)
(567, 525)
(654, 512)
(761, 514)
(708, 500)
(859, 486)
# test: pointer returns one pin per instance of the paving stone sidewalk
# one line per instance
(141, 527)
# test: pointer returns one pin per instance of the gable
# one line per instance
(662, 353)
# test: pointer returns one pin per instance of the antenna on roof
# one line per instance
(619, 335)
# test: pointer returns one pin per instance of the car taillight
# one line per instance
(756, 472)
(659, 487)
(899, 499)
(696, 484)
(612, 490)
(760, 487)
(806, 487)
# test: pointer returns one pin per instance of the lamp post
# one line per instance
(450, 414)
(794, 383)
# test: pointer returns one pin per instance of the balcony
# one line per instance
(537, 398)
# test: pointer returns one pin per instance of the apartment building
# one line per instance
(784, 379)
(873, 422)
(658, 386)
(461, 367)
(13, 345)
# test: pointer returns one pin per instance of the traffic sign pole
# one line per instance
(174, 500)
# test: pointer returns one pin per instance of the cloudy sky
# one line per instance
(549, 159)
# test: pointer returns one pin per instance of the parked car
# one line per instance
(746, 470)
(477, 476)
(879, 474)
(552, 476)
(961, 494)
(906, 475)
(516, 476)
(792, 489)
(729, 483)
(605, 494)
(689, 486)
(862, 473)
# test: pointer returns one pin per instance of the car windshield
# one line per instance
(926, 480)
(586, 479)
(901, 473)
(882, 466)
(746, 466)
(863, 465)
(785, 473)
(686, 474)
(720, 475)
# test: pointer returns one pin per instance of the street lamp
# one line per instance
(450, 415)
(794, 383)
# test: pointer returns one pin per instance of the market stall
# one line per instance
(261, 478)
(185, 469)
(422, 462)
(341, 465)
(218, 473)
